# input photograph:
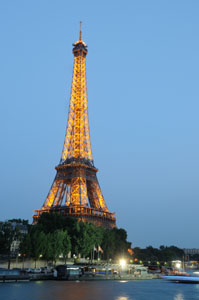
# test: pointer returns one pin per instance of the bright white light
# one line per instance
(122, 263)
(178, 265)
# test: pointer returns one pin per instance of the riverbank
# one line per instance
(78, 272)
(6, 279)
(9, 277)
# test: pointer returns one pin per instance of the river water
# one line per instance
(99, 290)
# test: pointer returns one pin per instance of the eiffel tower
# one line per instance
(75, 191)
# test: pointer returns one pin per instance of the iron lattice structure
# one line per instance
(75, 191)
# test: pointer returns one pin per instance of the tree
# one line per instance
(60, 243)
(8, 234)
(81, 237)
(38, 244)
(162, 255)
(115, 243)
(25, 246)
(84, 238)
(19, 221)
(66, 245)
(49, 222)
(121, 243)
(108, 244)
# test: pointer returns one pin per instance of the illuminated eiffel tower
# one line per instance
(75, 191)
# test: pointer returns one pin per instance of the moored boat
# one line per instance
(182, 279)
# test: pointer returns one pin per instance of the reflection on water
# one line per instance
(179, 297)
(99, 290)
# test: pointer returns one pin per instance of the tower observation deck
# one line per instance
(75, 191)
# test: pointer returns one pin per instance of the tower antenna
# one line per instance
(80, 32)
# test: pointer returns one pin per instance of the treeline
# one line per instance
(151, 255)
(55, 236)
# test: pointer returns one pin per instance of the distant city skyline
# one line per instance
(142, 79)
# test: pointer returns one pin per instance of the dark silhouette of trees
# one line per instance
(161, 255)
(55, 235)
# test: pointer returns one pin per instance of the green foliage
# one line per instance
(45, 240)
(56, 235)
(108, 244)
(38, 243)
(26, 246)
(19, 221)
(66, 245)
(115, 244)
(58, 241)
(163, 254)
(85, 238)
(49, 222)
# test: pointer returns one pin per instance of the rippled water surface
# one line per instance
(99, 290)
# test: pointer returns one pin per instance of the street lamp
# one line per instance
(178, 265)
(122, 263)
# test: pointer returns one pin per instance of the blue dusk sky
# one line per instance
(143, 97)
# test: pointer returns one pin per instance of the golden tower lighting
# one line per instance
(75, 191)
